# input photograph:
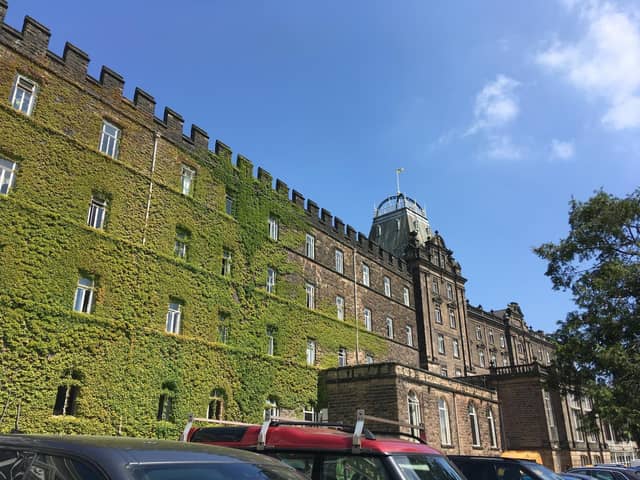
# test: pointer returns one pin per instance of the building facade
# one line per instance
(147, 277)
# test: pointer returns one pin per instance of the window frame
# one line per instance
(452, 319)
(97, 214)
(367, 319)
(271, 341)
(174, 317)
(405, 296)
(310, 246)
(7, 175)
(473, 423)
(456, 348)
(409, 332)
(366, 275)
(187, 179)
(389, 327)
(340, 307)
(342, 357)
(310, 292)
(271, 280)
(87, 303)
(339, 261)
(387, 286)
(227, 258)
(444, 421)
(438, 314)
(311, 351)
(441, 345)
(31, 91)
(274, 228)
(493, 438)
(112, 146)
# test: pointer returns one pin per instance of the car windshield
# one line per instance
(543, 472)
(213, 471)
(425, 467)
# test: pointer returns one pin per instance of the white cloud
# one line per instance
(604, 62)
(501, 147)
(496, 105)
(561, 150)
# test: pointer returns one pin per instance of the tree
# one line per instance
(598, 345)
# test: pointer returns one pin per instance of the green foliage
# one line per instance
(599, 344)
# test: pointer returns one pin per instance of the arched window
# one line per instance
(68, 391)
(492, 428)
(271, 408)
(166, 401)
(414, 412)
(445, 429)
(215, 409)
(473, 422)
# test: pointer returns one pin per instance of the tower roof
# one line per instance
(399, 202)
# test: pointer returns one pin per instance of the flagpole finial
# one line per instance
(398, 172)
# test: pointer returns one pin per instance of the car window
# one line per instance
(350, 467)
(21, 465)
(302, 462)
(425, 467)
(542, 472)
(213, 471)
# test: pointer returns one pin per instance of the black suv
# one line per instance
(497, 468)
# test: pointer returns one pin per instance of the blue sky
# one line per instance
(499, 111)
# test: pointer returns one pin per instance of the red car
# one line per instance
(332, 452)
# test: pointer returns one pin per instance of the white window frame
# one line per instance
(229, 204)
(415, 415)
(271, 407)
(84, 296)
(271, 280)
(97, 213)
(274, 228)
(227, 258)
(456, 348)
(473, 423)
(409, 331)
(310, 291)
(551, 421)
(339, 307)
(310, 246)
(367, 319)
(180, 244)
(368, 358)
(187, 178)
(110, 140)
(435, 288)
(445, 426)
(339, 256)
(441, 347)
(23, 94)
(478, 332)
(452, 319)
(505, 360)
(365, 275)
(493, 438)
(389, 327)
(8, 171)
(493, 361)
(490, 337)
(443, 371)
(502, 342)
(387, 286)
(223, 332)
(481, 359)
(309, 413)
(458, 372)
(405, 296)
(342, 357)
(174, 318)
(271, 342)
(311, 351)
(438, 313)
(449, 291)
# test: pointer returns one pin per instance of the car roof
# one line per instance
(283, 437)
(123, 450)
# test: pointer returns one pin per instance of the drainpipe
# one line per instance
(156, 137)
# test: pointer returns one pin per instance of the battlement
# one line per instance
(32, 41)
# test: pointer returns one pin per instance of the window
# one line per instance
(173, 317)
(166, 401)
(367, 319)
(548, 357)
(473, 422)
(187, 177)
(444, 372)
(368, 358)
(493, 362)
(445, 428)
(502, 344)
(452, 319)
(434, 287)
(342, 357)
(97, 213)
(23, 95)
(7, 175)
(365, 274)
(274, 229)
(311, 352)
(481, 358)
(223, 330)
(271, 280)
(458, 372)
(340, 307)
(478, 333)
(271, 408)
(339, 261)
(215, 408)
(226, 263)
(110, 139)
(493, 439)
(449, 291)
(310, 246)
(387, 286)
(505, 360)
(456, 348)
(551, 422)
(389, 324)
(68, 391)
(180, 244)
(441, 343)
(405, 296)
(491, 339)
(309, 413)
(438, 315)
(519, 347)
(83, 301)
(271, 341)
(414, 413)
(311, 295)
(409, 331)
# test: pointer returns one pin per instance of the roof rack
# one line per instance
(358, 429)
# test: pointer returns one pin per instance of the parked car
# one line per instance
(498, 468)
(607, 472)
(324, 452)
(34, 457)
(574, 476)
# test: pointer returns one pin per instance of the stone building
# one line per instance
(146, 277)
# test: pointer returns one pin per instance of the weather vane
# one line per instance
(398, 172)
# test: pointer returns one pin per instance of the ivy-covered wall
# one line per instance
(120, 354)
